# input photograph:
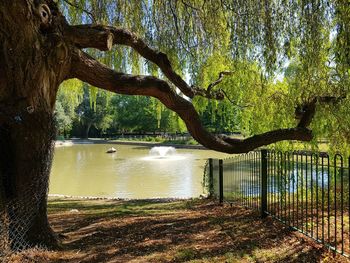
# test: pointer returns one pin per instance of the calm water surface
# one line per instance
(131, 172)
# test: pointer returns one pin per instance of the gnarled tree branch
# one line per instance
(218, 81)
(84, 36)
(306, 112)
(93, 37)
(87, 69)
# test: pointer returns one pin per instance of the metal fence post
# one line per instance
(263, 183)
(211, 178)
(221, 181)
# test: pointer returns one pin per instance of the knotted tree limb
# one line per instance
(84, 36)
(89, 70)
(218, 81)
(306, 112)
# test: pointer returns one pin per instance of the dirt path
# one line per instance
(170, 231)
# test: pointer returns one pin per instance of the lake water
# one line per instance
(131, 172)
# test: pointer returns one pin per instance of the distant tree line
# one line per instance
(103, 114)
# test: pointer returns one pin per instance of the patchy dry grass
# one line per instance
(170, 231)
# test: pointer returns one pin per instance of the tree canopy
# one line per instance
(285, 60)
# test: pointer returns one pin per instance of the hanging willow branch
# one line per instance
(87, 69)
(84, 36)
(90, 14)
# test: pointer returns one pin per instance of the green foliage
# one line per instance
(63, 120)
(140, 114)
(92, 113)
(281, 54)
(69, 96)
(133, 113)
(71, 91)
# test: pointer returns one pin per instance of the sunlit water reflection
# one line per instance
(131, 172)
(165, 154)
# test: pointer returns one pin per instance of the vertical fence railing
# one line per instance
(264, 185)
(221, 181)
(307, 191)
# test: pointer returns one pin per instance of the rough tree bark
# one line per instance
(38, 51)
(33, 62)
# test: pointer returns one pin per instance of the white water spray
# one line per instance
(163, 153)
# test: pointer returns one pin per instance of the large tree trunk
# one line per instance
(33, 62)
(25, 161)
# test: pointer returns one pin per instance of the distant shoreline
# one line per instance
(154, 199)
(72, 142)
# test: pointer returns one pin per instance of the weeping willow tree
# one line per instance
(186, 55)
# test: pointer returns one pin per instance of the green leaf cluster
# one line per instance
(281, 53)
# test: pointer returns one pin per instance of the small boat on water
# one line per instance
(111, 150)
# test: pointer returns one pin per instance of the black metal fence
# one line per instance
(309, 192)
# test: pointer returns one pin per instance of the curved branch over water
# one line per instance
(87, 69)
(84, 36)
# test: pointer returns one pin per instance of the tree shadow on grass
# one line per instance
(157, 231)
(81, 213)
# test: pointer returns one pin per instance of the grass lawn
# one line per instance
(170, 231)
